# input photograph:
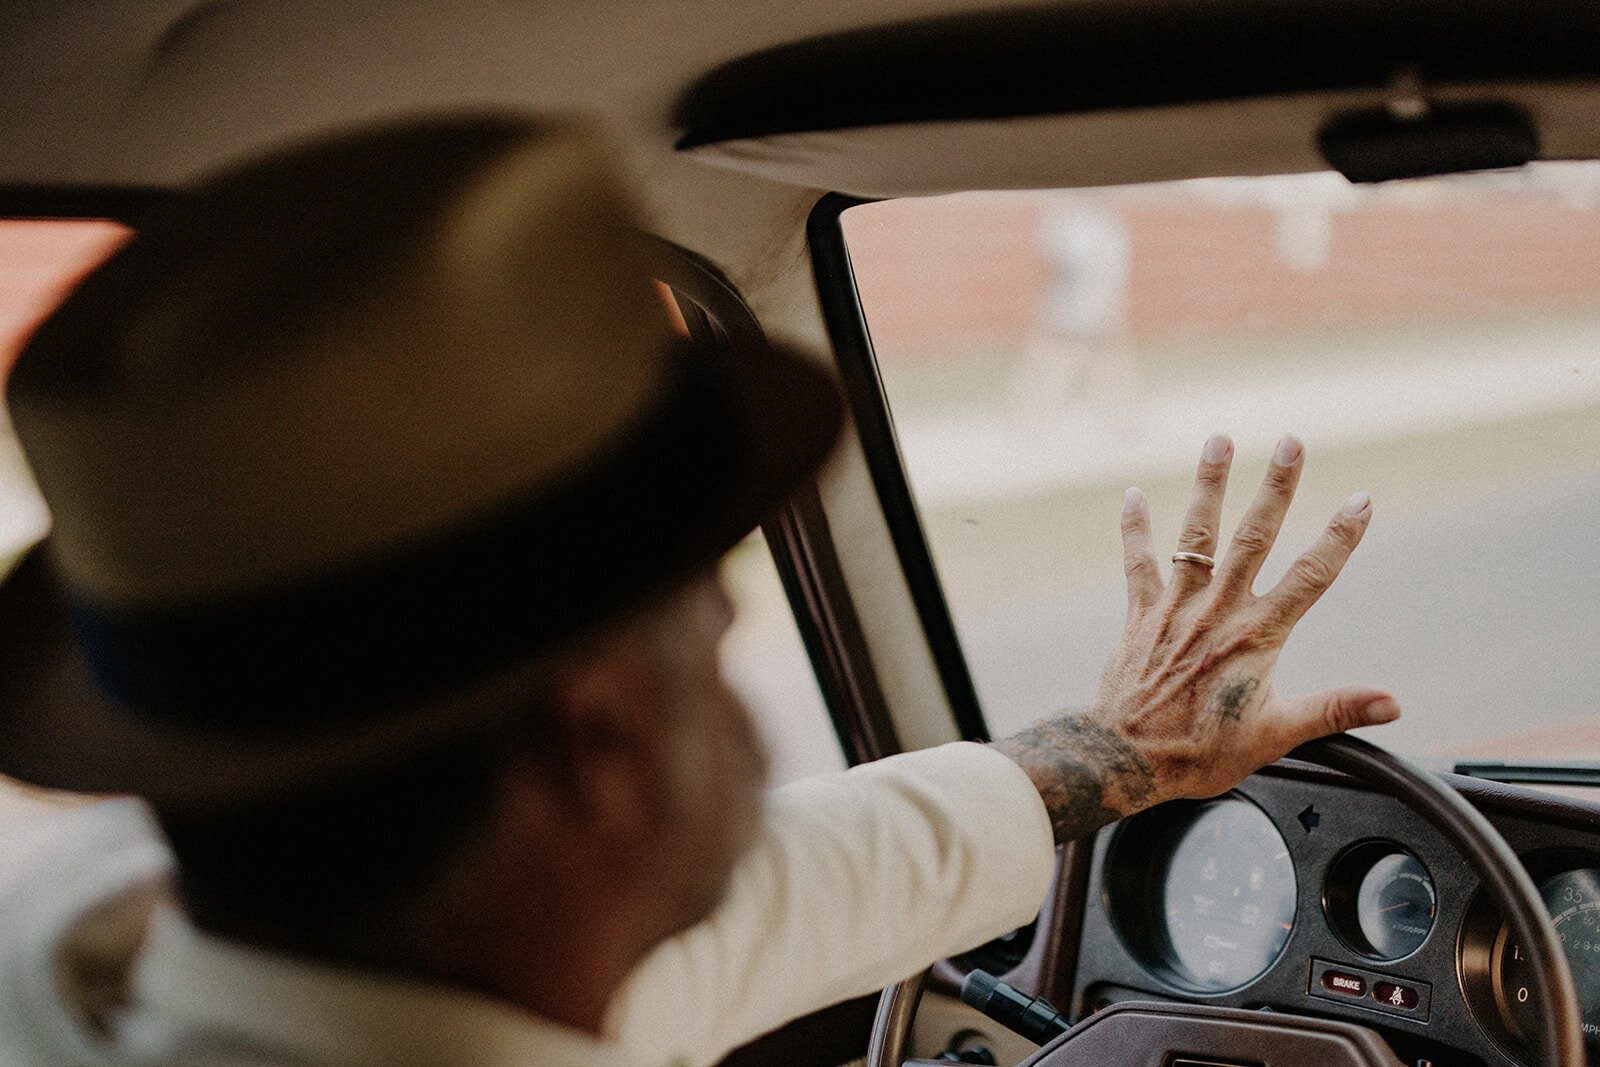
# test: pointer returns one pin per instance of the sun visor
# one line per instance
(1102, 92)
(1277, 135)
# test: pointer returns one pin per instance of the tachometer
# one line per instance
(1380, 900)
(1204, 893)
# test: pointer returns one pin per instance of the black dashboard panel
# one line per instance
(1388, 926)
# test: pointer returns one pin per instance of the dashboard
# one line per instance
(1301, 892)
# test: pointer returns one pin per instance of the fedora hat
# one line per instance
(336, 448)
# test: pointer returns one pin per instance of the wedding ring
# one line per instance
(1193, 557)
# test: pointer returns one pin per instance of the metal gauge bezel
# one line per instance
(1139, 859)
(1342, 888)
(1480, 948)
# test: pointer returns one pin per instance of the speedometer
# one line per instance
(1573, 898)
(1205, 894)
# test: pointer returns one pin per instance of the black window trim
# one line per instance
(798, 534)
(869, 406)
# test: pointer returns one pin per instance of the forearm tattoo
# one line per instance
(1079, 766)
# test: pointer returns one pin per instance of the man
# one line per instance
(385, 505)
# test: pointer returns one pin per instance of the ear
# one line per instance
(600, 769)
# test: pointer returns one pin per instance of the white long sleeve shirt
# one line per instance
(856, 880)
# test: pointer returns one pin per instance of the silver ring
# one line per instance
(1193, 557)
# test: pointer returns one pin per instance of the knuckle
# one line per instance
(1339, 716)
(1346, 531)
(1314, 571)
(1194, 532)
(1226, 638)
(1278, 616)
(1252, 537)
(1280, 479)
(1254, 634)
(1214, 615)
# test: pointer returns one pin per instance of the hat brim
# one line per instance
(60, 729)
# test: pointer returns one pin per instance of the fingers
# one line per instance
(1138, 553)
(1259, 528)
(1333, 711)
(1199, 533)
(1310, 575)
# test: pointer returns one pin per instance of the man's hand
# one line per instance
(1186, 707)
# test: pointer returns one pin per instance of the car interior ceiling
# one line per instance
(740, 119)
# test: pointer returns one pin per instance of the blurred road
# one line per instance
(1345, 392)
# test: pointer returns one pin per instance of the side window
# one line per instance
(765, 661)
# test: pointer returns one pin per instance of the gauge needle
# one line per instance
(1402, 904)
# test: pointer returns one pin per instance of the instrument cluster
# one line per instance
(1298, 892)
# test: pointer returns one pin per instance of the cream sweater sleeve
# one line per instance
(857, 880)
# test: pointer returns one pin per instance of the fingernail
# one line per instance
(1131, 499)
(1289, 449)
(1357, 503)
(1381, 711)
(1216, 449)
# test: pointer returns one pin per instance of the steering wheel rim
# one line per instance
(1560, 1040)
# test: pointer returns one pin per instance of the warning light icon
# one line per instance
(1396, 996)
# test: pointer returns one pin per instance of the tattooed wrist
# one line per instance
(1087, 775)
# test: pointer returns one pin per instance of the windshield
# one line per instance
(1435, 342)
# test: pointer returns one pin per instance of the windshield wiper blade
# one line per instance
(1554, 772)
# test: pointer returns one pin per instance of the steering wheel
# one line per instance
(1137, 1033)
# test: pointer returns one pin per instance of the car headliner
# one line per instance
(149, 92)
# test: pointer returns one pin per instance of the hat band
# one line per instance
(458, 608)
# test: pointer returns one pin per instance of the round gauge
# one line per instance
(1395, 905)
(1380, 900)
(1573, 898)
(1204, 893)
